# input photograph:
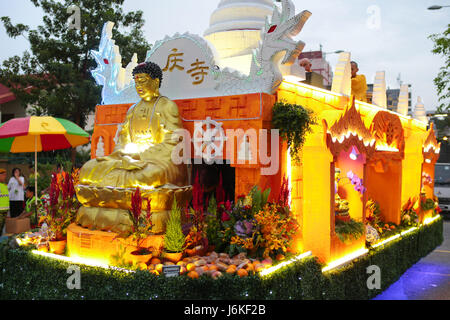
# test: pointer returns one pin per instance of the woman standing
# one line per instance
(16, 186)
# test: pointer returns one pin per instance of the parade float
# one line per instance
(213, 157)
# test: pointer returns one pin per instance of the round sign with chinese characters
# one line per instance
(188, 66)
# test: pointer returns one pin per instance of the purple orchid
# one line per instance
(356, 181)
(244, 228)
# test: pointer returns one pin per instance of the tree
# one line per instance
(55, 78)
(442, 81)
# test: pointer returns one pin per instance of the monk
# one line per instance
(359, 85)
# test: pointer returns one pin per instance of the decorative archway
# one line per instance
(384, 169)
(430, 150)
(351, 144)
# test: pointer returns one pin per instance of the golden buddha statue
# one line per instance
(141, 158)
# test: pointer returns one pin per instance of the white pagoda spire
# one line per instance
(403, 98)
(419, 111)
(379, 90)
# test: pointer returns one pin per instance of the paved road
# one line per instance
(429, 279)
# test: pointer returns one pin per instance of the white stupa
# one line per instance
(235, 30)
(419, 111)
(402, 105)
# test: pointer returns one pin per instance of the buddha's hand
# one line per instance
(129, 163)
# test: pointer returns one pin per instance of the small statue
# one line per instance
(141, 157)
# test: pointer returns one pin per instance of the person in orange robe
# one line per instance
(359, 85)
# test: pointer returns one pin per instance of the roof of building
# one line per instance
(6, 95)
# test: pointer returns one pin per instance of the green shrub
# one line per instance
(174, 238)
(27, 276)
(294, 122)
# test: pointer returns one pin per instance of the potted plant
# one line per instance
(61, 212)
(196, 241)
(140, 229)
(174, 238)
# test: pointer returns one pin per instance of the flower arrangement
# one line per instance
(373, 217)
(257, 227)
(409, 216)
(356, 181)
(350, 230)
(196, 236)
(426, 203)
(141, 222)
(62, 207)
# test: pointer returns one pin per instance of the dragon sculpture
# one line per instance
(275, 47)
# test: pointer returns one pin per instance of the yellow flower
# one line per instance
(248, 201)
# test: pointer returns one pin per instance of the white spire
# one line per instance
(403, 98)
(379, 90)
(419, 111)
(342, 80)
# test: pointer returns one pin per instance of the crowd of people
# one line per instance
(18, 199)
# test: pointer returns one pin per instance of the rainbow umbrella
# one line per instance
(36, 134)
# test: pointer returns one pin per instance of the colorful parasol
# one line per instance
(36, 134)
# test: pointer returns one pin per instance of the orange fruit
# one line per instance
(183, 270)
(190, 266)
(242, 273)
(142, 266)
(231, 270)
(155, 261)
(213, 267)
(259, 267)
(205, 268)
(280, 257)
(181, 263)
(159, 268)
(154, 272)
(256, 262)
(193, 275)
(250, 267)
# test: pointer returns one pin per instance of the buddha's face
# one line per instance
(146, 86)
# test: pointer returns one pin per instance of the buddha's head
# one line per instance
(147, 77)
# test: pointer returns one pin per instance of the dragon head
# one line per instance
(278, 33)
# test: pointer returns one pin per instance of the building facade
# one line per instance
(319, 65)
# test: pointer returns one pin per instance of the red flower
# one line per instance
(228, 205)
(283, 197)
(220, 192)
(149, 208)
(136, 204)
(197, 195)
(225, 216)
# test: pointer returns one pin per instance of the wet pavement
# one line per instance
(429, 279)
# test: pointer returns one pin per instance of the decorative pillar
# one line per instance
(379, 90)
(403, 98)
(342, 80)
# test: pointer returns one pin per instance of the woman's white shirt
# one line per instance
(16, 192)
